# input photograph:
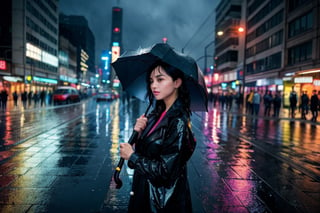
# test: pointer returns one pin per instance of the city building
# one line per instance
(28, 45)
(229, 36)
(265, 45)
(76, 30)
(302, 44)
(116, 41)
(282, 46)
(67, 63)
(278, 49)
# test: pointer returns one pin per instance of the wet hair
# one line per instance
(183, 92)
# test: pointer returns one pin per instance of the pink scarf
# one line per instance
(161, 117)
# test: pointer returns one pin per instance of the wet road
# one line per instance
(61, 159)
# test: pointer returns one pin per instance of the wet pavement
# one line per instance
(61, 159)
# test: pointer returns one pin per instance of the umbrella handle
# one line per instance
(116, 174)
(131, 141)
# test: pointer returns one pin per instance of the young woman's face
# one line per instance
(163, 86)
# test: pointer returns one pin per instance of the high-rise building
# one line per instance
(116, 38)
(67, 63)
(302, 44)
(76, 30)
(229, 34)
(264, 50)
(28, 45)
(116, 31)
(282, 46)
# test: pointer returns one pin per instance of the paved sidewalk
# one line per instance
(233, 175)
(69, 168)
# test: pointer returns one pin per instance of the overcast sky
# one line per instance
(188, 24)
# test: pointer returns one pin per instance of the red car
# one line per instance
(65, 95)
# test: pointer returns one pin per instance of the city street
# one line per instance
(61, 159)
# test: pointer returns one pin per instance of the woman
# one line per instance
(165, 144)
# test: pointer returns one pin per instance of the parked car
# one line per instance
(66, 95)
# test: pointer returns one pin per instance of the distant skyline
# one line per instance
(187, 24)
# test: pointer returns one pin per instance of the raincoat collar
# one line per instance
(176, 110)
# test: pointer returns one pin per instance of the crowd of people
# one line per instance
(271, 101)
(306, 104)
(28, 99)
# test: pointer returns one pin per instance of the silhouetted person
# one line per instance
(15, 98)
(36, 98)
(304, 105)
(314, 105)
(30, 97)
(249, 105)
(276, 104)
(4, 99)
(256, 103)
(267, 101)
(293, 103)
(42, 97)
(24, 99)
(229, 100)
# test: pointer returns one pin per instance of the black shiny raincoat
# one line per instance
(160, 181)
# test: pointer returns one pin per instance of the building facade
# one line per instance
(302, 44)
(265, 45)
(76, 29)
(29, 45)
(67, 63)
(278, 50)
(228, 41)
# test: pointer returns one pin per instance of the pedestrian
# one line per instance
(229, 100)
(24, 98)
(30, 97)
(49, 96)
(293, 99)
(215, 99)
(267, 101)
(4, 98)
(222, 100)
(276, 104)
(304, 105)
(36, 98)
(15, 98)
(42, 97)
(256, 103)
(159, 160)
(249, 105)
(314, 106)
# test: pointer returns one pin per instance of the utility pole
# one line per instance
(206, 55)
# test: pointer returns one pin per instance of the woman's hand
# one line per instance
(126, 150)
(141, 124)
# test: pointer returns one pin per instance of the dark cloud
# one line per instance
(187, 24)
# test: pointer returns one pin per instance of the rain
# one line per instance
(61, 154)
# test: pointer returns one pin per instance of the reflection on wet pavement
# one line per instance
(62, 160)
(261, 166)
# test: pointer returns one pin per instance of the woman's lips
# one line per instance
(155, 93)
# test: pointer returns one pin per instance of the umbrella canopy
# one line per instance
(131, 69)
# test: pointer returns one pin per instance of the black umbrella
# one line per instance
(131, 69)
